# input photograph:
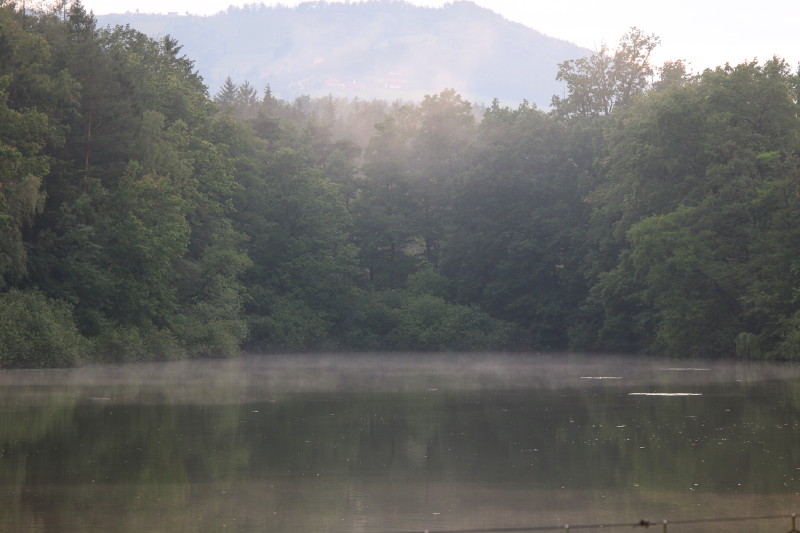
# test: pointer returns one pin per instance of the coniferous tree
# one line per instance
(226, 96)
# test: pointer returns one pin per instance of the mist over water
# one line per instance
(298, 373)
(393, 442)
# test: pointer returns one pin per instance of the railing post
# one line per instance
(665, 526)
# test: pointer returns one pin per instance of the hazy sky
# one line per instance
(706, 33)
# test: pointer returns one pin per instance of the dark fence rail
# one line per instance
(641, 523)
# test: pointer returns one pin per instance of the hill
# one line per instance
(378, 49)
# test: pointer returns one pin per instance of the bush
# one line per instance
(789, 346)
(428, 322)
(36, 331)
(205, 330)
(126, 343)
(292, 325)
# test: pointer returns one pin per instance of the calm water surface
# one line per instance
(393, 443)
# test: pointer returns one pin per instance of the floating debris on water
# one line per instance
(665, 394)
(686, 369)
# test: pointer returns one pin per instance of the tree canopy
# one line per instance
(141, 218)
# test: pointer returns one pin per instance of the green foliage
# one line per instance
(132, 343)
(134, 231)
(601, 83)
(36, 331)
(24, 133)
(303, 266)
(428, 323)
(701, 187)
(290, 325)
(147, 236)
(514, 245)
(414, 166)
(688, 283)
(142, 220)
(429, 281)
(789, 346)
(226, 96)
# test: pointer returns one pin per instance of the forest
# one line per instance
(649, 210)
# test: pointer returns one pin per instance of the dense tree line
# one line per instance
(649, 210)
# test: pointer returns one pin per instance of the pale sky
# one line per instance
(705, 33)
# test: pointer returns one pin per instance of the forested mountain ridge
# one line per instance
(380, 49)
(649, 211)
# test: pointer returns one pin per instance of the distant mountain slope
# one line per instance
(377, 49)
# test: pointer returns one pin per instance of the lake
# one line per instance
(400, 442)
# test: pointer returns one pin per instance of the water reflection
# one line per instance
(358, 443)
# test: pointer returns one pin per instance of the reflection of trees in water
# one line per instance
(324, 460)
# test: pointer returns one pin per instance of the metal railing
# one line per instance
(641, 523)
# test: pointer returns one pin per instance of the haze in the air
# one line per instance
(706, 34)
